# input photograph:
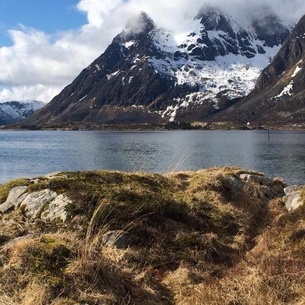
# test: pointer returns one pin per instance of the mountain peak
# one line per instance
(13, 111)
(141, 24)
(279, 94)
(291, 52)
(208, 10)
(269, 27)
(213, 19)
(149, 74)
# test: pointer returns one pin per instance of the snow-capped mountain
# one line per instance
(13, 111)
(279, 94)
(149, 74)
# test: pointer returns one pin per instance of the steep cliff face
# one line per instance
(148, 74)
(290, 56)
(279, 94)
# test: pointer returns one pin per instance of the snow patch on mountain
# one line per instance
(233, 74)
(297, 70)
(129, 43)
(190, 75)
(287, 90)
(12, 111)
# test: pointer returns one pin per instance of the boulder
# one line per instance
(34, 203)
(56, 209)
(45, 204)
(264, 187)
(14, 198)
(292, 197)
(233, 187)
(256, 178)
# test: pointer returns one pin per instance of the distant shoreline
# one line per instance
(159, 127)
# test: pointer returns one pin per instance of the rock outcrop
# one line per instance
(293, 197)
(13, 198)
(46, 205)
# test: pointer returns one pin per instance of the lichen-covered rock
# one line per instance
(44, 204)
(56, 209)
(13, 198)
(35, 202)
(293, 197)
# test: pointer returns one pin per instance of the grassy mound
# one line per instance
(215, 236)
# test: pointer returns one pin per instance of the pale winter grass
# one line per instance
(194, 239)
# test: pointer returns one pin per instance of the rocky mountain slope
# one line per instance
(215, 236)
(148, 74)
(13, 111)
(279, 94)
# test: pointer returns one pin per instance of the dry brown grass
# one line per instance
(35, 294)
(201, 237)
(303, 195)
(7, 300)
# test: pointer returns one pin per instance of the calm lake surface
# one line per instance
(34, 153)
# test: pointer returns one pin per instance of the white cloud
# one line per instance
(38, 66)
(172, 14)
(98, 11)
(35, 92)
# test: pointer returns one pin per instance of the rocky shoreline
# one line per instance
(159, 127)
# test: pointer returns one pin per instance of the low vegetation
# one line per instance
(217, 236)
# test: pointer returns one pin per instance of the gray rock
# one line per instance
(34, 203)
(13, 198)
(293, 197)
(256, 178)
(56, 209)
(45, 204)
(117, 239)
(234, 187)
(263, 186)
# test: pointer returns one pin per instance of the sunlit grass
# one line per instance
(205, 237)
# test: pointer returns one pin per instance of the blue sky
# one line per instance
(49, 16)
(44, 44)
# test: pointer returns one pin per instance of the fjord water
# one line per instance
(35, 153)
